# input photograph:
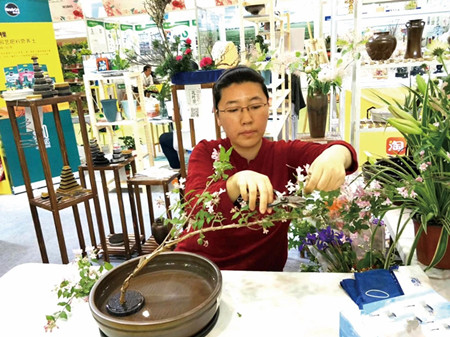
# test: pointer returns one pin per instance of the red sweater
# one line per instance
(243, 248)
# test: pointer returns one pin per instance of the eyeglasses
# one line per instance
(252, 108)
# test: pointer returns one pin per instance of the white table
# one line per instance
(252, 304)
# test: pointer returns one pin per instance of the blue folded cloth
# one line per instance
(371, 286)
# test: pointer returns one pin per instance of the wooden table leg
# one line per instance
(76, 215)
(107, 203)
(126, 241)
(134, 219)
(60, 236)
(150, 204)
(87, 208)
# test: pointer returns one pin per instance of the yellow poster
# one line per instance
(18, 43)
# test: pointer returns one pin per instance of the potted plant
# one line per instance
(427, 195)
(163, 94)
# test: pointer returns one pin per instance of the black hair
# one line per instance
(239, 74)
(147, 66)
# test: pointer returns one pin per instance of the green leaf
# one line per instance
(421, 84)
(63, 315)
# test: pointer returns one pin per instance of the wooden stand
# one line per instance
(52, 204)
(129, 241)
(134, 185)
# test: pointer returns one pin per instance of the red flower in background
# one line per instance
(78, 14)
(179, 58)
(188, 51)
(205, 62)
(178, 4)
(188, 41)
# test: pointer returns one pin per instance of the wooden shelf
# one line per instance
(120, 249)
(149, 246)
(51, 204)
(63, 203)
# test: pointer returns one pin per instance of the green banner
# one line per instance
(93, 23)
(140, 28)
(126, 27)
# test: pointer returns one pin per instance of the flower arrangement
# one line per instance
(421, 182)
(322, 79)
(344, 231)
(207, 63)
(177, 60)
(259, 56)
(325, 76)
(199, 214)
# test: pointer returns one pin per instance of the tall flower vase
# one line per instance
(163, 109)
(414, 30)
(317, 106)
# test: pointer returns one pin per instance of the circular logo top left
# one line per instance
(12, 9)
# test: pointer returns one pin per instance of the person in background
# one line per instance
(147, 78)
(241, 104)
(166, 143)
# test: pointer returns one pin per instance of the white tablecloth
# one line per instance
(252, 304)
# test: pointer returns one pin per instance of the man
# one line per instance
(241, 102)
(147, 78)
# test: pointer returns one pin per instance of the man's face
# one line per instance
(245, 128)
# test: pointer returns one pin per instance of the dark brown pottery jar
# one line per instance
(414, 30)
(159, 230)
(317, 106)
(381, 46)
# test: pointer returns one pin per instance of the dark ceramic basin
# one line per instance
(254, 9)
(181, 291)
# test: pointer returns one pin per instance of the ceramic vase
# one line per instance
(381, 46)
(159, 230)
(426, 246)
(163, 109)
(317, 106)
(110, 109)
(126, 108)
(414, 30)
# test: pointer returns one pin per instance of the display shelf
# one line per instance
(63, 203)
(121, 250)
(277, 23)
(52, 204)
(101, 81)
(360, 78)
(394, 14)
(263, 18)
(128, 246)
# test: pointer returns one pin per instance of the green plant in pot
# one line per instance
(162, 95)
(421, 184)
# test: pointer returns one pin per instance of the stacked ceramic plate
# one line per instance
(13, 95)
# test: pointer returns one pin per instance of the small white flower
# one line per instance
(215, 155)
(160, 202)
(181, 183)
(423, 167)
(77, 252)
(265, 231)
